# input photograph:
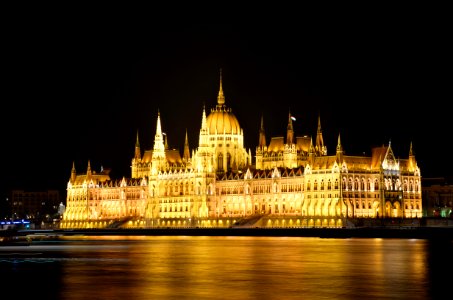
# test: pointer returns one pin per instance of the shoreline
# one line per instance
(444, 233)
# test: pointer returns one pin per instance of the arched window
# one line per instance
(315, 185)
(329, 185)
(322, 184)
(376, 185)
(220, 162)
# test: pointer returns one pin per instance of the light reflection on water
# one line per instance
(228, 268)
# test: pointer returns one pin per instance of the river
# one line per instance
(210, 267)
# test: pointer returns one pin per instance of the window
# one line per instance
(220, 162)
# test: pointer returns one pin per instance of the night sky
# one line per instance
(76, 93)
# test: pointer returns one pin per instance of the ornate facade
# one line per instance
(293, 183)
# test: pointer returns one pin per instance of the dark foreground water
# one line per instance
(118, 267)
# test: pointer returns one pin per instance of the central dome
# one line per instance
(222, 120)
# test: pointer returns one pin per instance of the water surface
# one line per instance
(186, 267)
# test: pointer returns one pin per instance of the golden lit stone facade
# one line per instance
(293, 183)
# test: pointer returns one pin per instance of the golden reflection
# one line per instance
(188, 267)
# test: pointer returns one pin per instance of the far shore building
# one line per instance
(438, 197)
(292, 182)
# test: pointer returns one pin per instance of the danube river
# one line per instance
(210, 267)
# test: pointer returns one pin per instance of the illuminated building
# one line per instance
(293, 183)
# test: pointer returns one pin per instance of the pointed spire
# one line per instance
(204, 124)
(290, 131)
(158, 127)
(73, 172)
(165, 140)
(137, 148)
(159, 146)
(319, 122)
(339, 147)
(89, 170)
(186, 155)
(311, 148)
(319, 139)
(203, 138)
(412, 163)
(221, 97)
(339, 150)
(262, 137)
(137, 143)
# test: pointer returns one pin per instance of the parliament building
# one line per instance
(292, 182)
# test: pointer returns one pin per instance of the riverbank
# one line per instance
(362, 232)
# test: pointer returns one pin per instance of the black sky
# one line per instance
(77, 93)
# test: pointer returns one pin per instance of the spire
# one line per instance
(220, 97)
(412, 163)
(339, 147)
(137, 148)
(290, 131)
(311, 149)
(186, 155)
(73, 172)
(159, 147)
(319, 139)
(262, 137)
(203, 139)
(89, 170)
(165, 140)
(339, 154)
(158, 128)
(204, 124)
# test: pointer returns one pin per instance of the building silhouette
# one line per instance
(38, 207)
(438, 197)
